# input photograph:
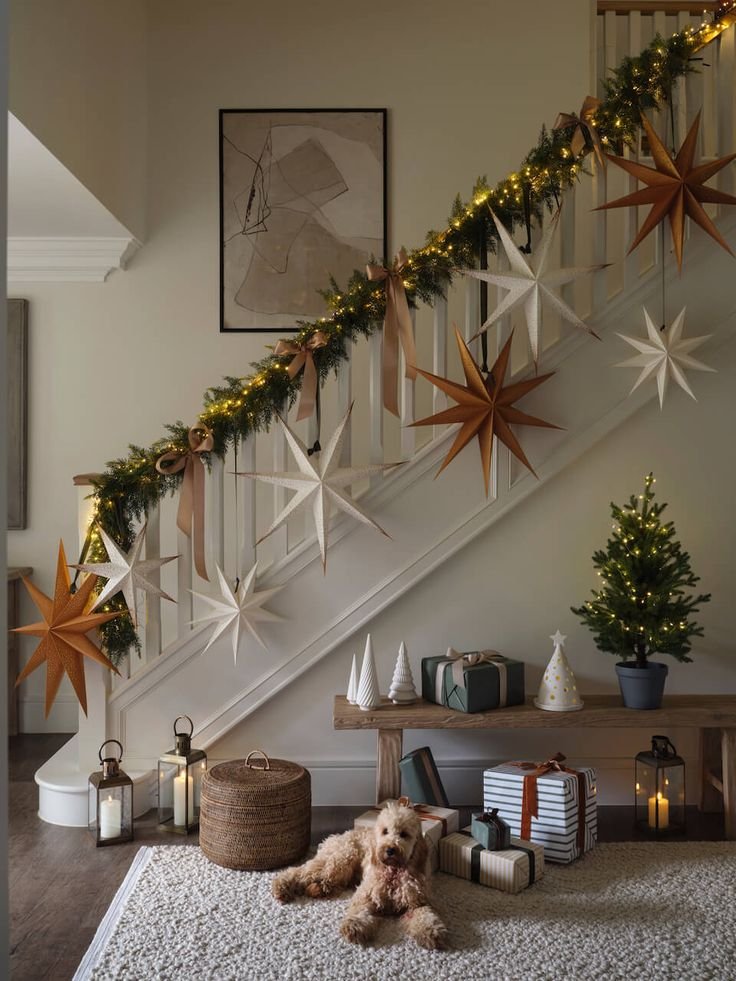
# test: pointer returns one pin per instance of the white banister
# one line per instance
(344, 399)
(183, 583)
(406, 404)
(280, 537)
(375, 395)
(216, 514)
(439, 354)
(246, 508)
(152, 633)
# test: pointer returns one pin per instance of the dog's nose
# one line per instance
(390, 851)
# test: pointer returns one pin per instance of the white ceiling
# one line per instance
(46, 200)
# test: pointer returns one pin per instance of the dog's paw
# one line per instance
(432, 937)
(319, 888)
(354, 932)
(284, 888)
(427, 929)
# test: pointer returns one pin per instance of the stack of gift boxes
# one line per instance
(532, 812)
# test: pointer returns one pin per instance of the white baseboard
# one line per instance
(63, 717)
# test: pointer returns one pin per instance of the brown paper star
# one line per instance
(63, 630)
(675, 188)
(485, 408)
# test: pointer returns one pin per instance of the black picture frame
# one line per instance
(383, 204)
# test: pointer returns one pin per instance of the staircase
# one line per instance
(428, 521)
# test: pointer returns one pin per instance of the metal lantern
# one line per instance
(180, 775)
(111, 800)
(660, 789)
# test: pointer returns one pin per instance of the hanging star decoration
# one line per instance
(63, 631)
(529, 284)
(126, 572)
(320, 483)
(674, 189)
(665, 354)
(237, 610)
(485, 408)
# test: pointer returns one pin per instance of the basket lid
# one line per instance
(252, 772)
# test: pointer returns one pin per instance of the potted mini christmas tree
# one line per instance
(644, 606)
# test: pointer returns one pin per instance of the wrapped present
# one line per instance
(549, 803)
(436, 823)
(472, 682)
(510, 870)
(420, 779)
(491, 830)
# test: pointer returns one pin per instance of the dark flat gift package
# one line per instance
(420, 780)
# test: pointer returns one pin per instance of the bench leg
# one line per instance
(388, 776)
(711, 798)
(728, 762)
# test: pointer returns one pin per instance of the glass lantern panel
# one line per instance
(111, 812)
(167, 773)
(645, 792)
(198, 771)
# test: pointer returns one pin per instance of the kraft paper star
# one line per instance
(529, 284)
(237, 610)
(63, 631)
(674, 188)
(665, 354)
(485, 408)
(126, 572)
(319, 484)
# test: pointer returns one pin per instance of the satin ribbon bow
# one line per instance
(457, 664)
(585, 130)
(304, 358)
(530, 801)
(397, 327)
(190, 515)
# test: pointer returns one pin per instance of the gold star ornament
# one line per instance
(675, 189)
(63, 631)
(485, 408)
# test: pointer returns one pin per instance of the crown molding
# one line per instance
(67, 260)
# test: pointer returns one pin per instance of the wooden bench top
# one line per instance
(599, 711)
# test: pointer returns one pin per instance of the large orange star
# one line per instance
(675, 188)
(63, 630)
(485, 408)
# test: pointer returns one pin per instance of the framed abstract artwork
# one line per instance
(302, 198)
(16, 407)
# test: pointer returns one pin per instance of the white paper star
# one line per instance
(235, 610)
(319, 483)
(558, 639)
(529, 284)
(666, 354)
(126, 572)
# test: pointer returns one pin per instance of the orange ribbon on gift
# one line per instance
(585, 129)
(529, 799)
(397, 327)
(304, 358)
(190, 515)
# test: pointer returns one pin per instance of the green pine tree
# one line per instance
(644, 606)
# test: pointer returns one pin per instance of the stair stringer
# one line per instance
(429, 522)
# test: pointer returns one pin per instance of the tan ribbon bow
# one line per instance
(457, 663)
(529, 800)
(584, 129)
(397, 326)
(190, 515)
(304, 358)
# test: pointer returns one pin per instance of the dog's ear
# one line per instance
(418, 860)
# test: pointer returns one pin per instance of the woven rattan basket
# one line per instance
(255, 813)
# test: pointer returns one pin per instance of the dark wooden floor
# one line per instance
(61, 885)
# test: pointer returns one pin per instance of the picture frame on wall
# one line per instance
(17, 402)
(302, 199)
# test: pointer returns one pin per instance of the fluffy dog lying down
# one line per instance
(387, 864)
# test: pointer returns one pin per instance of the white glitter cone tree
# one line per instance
(368, 694)
(353, 683)
(402, 690)
(558, 691)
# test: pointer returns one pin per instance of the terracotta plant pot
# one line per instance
(641, 688)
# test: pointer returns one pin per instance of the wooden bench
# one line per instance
(713, 715)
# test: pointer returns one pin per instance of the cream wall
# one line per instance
(110, 363)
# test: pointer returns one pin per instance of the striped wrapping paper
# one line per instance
(436, 822)
(556, 827)
(510, 870)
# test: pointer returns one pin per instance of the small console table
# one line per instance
(713, 715)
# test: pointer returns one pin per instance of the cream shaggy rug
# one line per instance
(650, 910)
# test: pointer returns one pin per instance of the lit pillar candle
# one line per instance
(110, 818)
(662, 805)
(180, 794)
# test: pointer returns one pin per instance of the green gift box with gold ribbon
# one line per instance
(472, 682)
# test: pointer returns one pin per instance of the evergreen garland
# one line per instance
(241, 406)
(643, 607)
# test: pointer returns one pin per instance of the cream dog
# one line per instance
(387, 863)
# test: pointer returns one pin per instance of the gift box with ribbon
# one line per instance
(548, 802)
(491, 830)
(436, 823)
(472, 682)
(510, 870)
(420, 780)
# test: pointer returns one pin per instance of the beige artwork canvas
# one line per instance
(302, 198)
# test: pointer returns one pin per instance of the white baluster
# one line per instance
(216, 515)
(406, 403)
(472, 312)
(152, 606)
(439, 355)
(344, 399)
(631, 215)
(599, 230)
(567, 244)
(375, 396)
(725, 73)
(280, 537)
(246, 505)
(183, 583)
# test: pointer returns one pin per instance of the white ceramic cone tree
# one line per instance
(558, 691)
(402, 690)
(353, 683)
(368, 694)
